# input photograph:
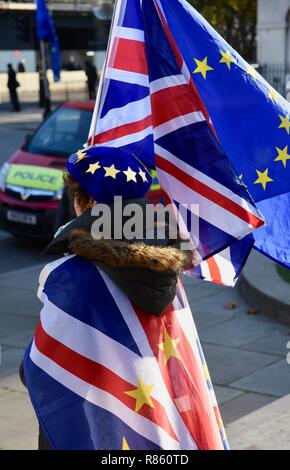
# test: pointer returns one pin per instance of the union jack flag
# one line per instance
(104, 375)
(149, 104)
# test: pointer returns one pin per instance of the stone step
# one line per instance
(264, 289)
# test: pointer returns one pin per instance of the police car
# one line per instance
(32, 198)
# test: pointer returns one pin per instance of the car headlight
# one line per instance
(59, 193)
(3, 175)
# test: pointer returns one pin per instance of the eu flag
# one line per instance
(252, 120)
(46, 31)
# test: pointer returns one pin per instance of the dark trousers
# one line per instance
(14, 99)
(92, 91)
(43, 443)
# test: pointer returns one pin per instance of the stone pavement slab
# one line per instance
(18, 425)
(199, 289)
(19, 301)
(216, 303)
(271, 283)
(27, 278)
(11, 324)
(238, 332)
(242, 405)
(20, 340)
(272, 380)
(265, 429)
(225, 394)
(204, 320)
(228, 364)
(262, 285)
(273, 344)
(10, 362)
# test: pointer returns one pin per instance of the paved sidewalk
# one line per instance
(264, 429)
(246, 354)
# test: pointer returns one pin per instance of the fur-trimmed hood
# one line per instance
(146, 270)
(121, 254)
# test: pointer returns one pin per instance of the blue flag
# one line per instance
(251, 119)
(46, 31)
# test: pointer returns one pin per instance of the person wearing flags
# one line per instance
(116, 362)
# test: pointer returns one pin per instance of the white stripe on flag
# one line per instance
(46, 272)
(129, 33)
(205, 271)
(208, 210)
(205, 179)
(128, 139)
(130, 113)
(136, 330)
(100, 348)
(226, 267)
(186, 72)
(186, 323)
(185, 319)
(105, 400)
(167, 82)
(177, 123)
(127, 77)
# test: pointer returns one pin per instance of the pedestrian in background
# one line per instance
(12, 85)
(21, 68)
(91, 73)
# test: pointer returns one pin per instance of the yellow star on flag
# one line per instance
(227, 59)
(125, 445)
(274, 95)
(206, 372)
(93, 167)
(285, 123)
(130, 174)
(263, 178)
(202, 67)
(81, 154)
(169, 347)
(252, 72)
(143, 175)
(111, 171)
(282, 156)
(141, 395)
(241, 178)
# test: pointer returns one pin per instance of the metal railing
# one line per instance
(276, 75)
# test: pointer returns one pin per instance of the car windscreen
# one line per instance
(64, 132)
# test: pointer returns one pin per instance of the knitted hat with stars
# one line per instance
(105, 172)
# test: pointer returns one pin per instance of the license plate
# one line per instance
(21, 217)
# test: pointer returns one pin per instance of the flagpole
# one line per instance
(115, 16)
(47, 107)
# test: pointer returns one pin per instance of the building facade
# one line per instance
(273, 41)
(82, 27)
